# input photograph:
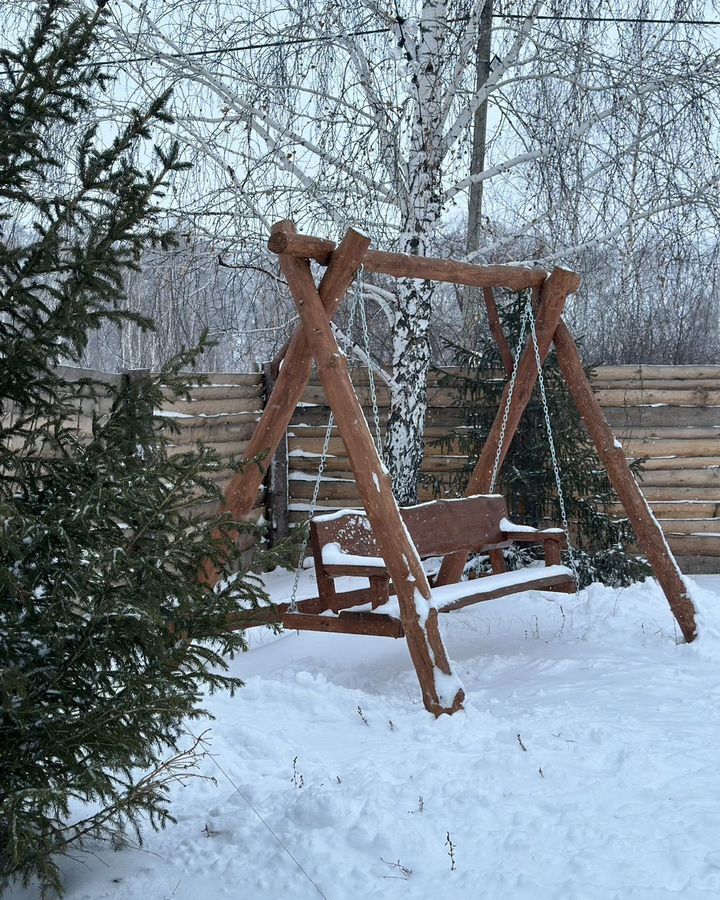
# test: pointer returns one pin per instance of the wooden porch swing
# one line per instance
(385, 544)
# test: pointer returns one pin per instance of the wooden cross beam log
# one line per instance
(441, 691)
(554, 292)
(290, 383)
(403, 265)
(647, 530)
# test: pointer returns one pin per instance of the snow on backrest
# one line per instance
(350, 529)
(436, 528)
(468, 523)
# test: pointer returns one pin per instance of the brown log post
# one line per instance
(277, 481)
(559, 284)
(403, 563)
(647, 530)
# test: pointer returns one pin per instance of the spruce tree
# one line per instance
(108, 638)
(527, 478)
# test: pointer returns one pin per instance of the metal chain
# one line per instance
(553, 453)
(506, 411)
(313, 503)
(358, 303)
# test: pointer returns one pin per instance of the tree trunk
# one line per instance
(421, 207)
(472, 299)
(404, 444)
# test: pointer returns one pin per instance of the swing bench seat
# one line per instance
(343, 545)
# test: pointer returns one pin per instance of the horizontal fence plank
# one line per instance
(674, 509)
(695, 544)
(229, 393)
(671, 447)
(219, 406)
(657, 492)
(692, 526)
(683, 433)
(217, 435)
(631, 397)
(229, 378)
(626, 418)
(317, 416)
(682, 477)
(681, 462)
(73, 373)
(234, 449)
(630, 373)
(658, 384)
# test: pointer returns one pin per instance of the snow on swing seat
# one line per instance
(450, 597)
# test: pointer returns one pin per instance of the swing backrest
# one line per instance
(436, 528)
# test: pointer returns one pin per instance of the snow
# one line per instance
(446, 687)
(328, 517)
(584, 765)
(509, 527)
(307, 454)
(334, 555)
(301, 506)
(452, 499)
(447, 594)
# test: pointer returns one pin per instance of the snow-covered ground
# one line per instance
(586, 765)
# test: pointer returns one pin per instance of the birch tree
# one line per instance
(597, 131)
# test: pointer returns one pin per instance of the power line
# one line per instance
(618, 20)
(215, 51)
(366, 32)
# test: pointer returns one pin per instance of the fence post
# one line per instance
(277, 478)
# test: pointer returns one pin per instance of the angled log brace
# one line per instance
(646, 527)
(440, 689)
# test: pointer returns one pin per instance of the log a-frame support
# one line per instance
(314, 339)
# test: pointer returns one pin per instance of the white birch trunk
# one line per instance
(421, 208)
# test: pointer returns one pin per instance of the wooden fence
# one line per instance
(670, 414)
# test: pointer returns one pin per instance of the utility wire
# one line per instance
(620, 20)
(365, 32)
(264, 822)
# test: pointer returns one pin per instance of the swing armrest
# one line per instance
(554, 540)
(538, 536)
(376, 594)
(354, 570)
(526, 534)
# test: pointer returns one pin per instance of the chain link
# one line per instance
(506, 411)
(553, 453)
(529, 317)
(313, 503)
